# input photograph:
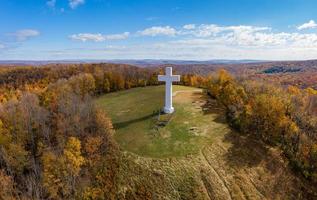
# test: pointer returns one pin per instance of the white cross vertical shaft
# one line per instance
(168, 78)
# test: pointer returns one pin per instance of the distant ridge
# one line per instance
(137, 62)
(153, 62)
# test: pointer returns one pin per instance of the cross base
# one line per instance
(168, 110)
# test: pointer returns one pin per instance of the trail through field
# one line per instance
(189, 91)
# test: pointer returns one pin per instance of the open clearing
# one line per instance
(142, 130)
(196, 155)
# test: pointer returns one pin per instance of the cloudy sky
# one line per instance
(158, 29)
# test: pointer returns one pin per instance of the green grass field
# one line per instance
(134, 114)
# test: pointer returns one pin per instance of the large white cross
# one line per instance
(168, 78)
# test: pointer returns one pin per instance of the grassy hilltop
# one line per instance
(195, 155)
(142, 130)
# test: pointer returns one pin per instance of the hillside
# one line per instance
(224, 165)
(52, 131)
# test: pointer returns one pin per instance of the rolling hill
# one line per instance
(196, 155)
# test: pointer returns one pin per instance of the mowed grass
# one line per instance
(134, 114)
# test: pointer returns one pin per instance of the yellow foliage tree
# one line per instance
(60, 172)
(72, 155)
(83, 84)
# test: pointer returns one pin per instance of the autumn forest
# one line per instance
(56, 144)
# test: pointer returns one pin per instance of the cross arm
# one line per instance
(162, 78)
(176, 78)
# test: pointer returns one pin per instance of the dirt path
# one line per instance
(186, 91)
(233, 166)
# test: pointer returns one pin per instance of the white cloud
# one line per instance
(199, 42)
(51, 3)
(158, 30)
(208, 41)
(308, 25)
(208, 30)
(249, 36)
(88, 37)
(98, 37)
(75, 3)
(2, 46)
(189, 26)
(121, 36)
(25, 34)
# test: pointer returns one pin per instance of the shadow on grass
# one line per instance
(249, 152)
(246, 150)
(128, 122)
(212, 107)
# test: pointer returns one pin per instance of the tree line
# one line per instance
(284, 117)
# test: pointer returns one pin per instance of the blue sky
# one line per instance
(158, 29)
